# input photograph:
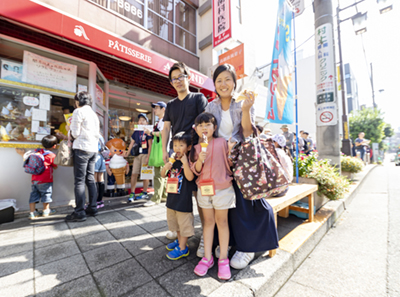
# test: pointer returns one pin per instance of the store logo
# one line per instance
(79, 31)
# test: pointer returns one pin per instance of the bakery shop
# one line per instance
(49, 55)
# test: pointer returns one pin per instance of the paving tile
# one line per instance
(105, 256)
(55, 252)
(127, 230)
(56, 273)
(110, 218)
(133, 214)
(183, 282)
(140, 244)
(121, 278)
(292, 288)
(81, 287)
(234, 289)
(156, 209)
(52, 234)
(150, 289)
(90, 226)
(152, 223)
(16, 262)
(94, 241)
(16, 242)
(156, 262)
(160, 234)
(18, 284)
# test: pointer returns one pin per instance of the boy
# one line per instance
(42, 184)
(144, 141)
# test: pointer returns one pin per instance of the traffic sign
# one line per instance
(326, 114)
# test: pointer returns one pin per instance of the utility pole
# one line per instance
(372, 86)
(328, 142)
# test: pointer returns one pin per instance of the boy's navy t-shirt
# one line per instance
(183, 201)
(137, 137)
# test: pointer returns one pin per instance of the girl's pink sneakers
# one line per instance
(203, 266)
(224, 271)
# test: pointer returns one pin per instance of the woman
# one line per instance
(252, 227)
(85, 133)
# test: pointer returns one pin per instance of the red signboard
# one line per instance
(45, 18)
(235, 57)
(222, 26)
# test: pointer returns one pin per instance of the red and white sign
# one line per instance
(222, 26)
(327, 114)
(57, 23)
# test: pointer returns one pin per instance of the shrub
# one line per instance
(351, 164)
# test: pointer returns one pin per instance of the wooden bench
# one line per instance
(281, 205)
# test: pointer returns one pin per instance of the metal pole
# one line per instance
(328, 144)
(346, 144)
(372, 86)
(295, 84)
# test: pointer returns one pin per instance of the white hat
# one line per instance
(279, 139)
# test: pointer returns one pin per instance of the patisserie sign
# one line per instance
(30, 101)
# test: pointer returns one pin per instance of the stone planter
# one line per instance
(349, 175)
(319, 200)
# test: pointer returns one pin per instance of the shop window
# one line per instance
(185, 17)
(19, 119)
(132, 9)
(160, 26)
(185, 39)
(164, 8)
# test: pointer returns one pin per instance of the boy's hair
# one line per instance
(181, 136)
(49, 141)
(204, 117)
(180, 66)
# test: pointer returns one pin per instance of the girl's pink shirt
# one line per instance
(221, 172)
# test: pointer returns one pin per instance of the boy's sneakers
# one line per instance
(172, 245)
(100, 204)
(142, 195)
(176, 253)
(202, 268)
(131, 198)
(48, 213)
(33, 215)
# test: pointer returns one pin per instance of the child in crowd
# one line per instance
(180, 185)
(144, 142)
(99, 169)
(42, 184)
(215, 194)
(284, 155)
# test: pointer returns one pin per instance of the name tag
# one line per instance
(172, 185)
(207, 187)
(140, 150)
(144, 144)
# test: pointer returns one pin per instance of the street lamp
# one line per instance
(360, 23)
(384, 6)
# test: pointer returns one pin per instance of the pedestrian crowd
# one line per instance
(194, 140)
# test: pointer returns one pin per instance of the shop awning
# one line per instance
(45, 18)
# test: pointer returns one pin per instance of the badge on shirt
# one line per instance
(207, 187)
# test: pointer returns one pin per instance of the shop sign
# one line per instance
(42, 71)
(327, 114)
(11, 70)
(325, 68)
(222, 27)
(30, 101)
(85, 34)
(235, 57)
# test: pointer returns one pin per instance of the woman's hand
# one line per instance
(147, 131)
(248, 103)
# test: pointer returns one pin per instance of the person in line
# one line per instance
(284, 157)
(179, 116)
(308, 144)
(160, 183)
(216, 194)
(42, 184)
(361, 144)
(252, 227)
(144, 141)
(300, 144)
(99, 169)
(179, 201)
(85, 133)
(289, 138)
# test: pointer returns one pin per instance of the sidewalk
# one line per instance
(121, 252)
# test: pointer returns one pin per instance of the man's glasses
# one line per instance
(179, 78)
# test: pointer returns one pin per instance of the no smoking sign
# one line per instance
(326, 114)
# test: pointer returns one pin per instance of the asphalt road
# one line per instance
(360, 255)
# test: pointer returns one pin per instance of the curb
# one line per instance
(265, 276)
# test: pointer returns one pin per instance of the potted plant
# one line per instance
(350, 166)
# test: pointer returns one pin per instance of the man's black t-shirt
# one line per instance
(182, 113)
(183, 201)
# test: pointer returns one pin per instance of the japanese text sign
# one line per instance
(222, 27)
(235, 57)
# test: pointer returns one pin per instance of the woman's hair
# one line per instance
(204, 117)
(222, 68)
(181, 136)
(259, 128)
(83, 98)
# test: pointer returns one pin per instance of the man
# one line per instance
(361, 144)
(160, 184)
(181, 111)
(308, 144)
(289, 138)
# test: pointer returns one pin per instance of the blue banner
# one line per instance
(280, 100)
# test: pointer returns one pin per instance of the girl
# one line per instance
(283, 154)
(215, 195)
(180, 185)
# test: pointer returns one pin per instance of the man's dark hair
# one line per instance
(70, 108)
(49, 141)
(180, 66)
(83, 98)
(260, 128)
(222, 68)
(306, 133)
(181, 136)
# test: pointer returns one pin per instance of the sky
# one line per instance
(380, 45)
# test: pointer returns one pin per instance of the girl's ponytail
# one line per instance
(195, 140)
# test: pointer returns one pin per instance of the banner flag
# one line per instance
(280, 98)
